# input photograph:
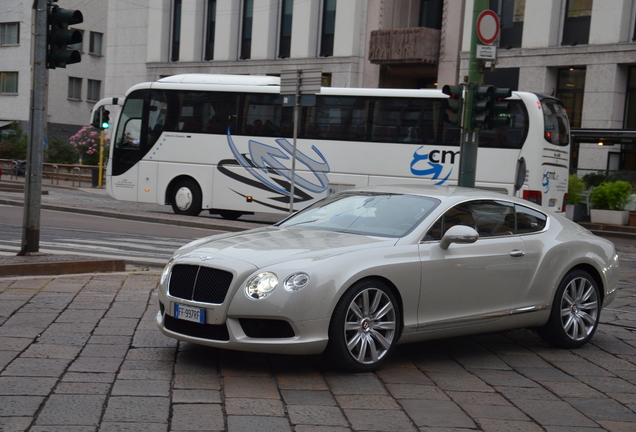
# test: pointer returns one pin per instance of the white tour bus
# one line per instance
(224, 143)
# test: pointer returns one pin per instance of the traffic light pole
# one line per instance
(470, 143)
(37, 122)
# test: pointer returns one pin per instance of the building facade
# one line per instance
(584, 53)
(73, 90)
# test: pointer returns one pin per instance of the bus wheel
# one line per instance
(186, 198)
(230, 214)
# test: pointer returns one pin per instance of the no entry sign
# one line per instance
(487, 27)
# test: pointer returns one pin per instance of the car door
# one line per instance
(469, 284)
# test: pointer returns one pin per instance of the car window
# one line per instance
(529, 220)
(488, 217)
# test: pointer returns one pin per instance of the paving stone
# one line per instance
(603, 409)
(503, 378)
(7, 357)
(379, 420)
(66, 428)
(553, 413)
(609, 384)
(64, 338)
(42, 350)
(19, 406)
(152, 339)
(309, 381)
(88, 377)
(133, 427)
(529, 393)
(197, 396)
(371, 402)
(36, 367)
(403, 375)
(316, 415)
(255, 387)
(582, 367)
(459, 381)
(14, 343)
(100, 350)
(110, 339)
(23, 325)
(72, 410)
(254, 406)
(503, 425)
(314, 428)
(95, 364)
(572, 389)
(26, 386)
(308, 397)
(367, 384)
(617, 426)
(161, 354)
(197, 381)
(257, 424)
(546, 374)
(475, 398)
(147, 365)
(15, 424)
(198, 417)
(436, 413)
(78, 388)
(498, 412)
(141, 388)
(162, 375)
(415, 391)
(138, 409)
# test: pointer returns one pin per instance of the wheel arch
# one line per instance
(594, 273)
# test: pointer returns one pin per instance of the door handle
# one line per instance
(517, 253)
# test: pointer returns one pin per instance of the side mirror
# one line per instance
(458, 234)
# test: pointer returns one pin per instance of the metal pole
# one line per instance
(470, 143)
(37, 125)
(101, 158)
(296, 109)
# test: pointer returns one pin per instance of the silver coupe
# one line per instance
(365, 269)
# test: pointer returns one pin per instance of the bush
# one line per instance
(16, 146)
(575, 187)
(594, 179)
(61, 152)
(611, 195)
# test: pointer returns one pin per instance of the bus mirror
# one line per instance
(520, 175)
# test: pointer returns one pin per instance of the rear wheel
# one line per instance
(575, 312)
(230, 214)
(365, 326)
(186, 198)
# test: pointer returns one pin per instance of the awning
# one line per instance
(604, 136)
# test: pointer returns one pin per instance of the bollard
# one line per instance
(77, 171)
(57, 174)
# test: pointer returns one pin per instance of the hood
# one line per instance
(265, 246)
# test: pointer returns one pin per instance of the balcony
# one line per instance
(406, 45)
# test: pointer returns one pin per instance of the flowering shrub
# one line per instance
(86, 141)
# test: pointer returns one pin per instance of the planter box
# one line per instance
(632, 218)
(575, 213)
(611, 217)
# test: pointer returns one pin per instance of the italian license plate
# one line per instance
(189, 313)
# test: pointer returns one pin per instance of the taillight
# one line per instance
(532, 196)
(565, 200)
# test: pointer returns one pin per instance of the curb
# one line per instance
(34, 266)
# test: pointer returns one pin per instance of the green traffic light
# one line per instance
(105, 125)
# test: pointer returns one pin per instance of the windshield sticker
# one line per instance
(431, 165)
(266, 159)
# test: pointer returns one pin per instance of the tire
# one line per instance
(230, 214)
(365, 327)
(186, 198)
(576, 311)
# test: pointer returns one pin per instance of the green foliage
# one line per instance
(15, 147)
(611, 195)
(61, 152)
(576, 186)
(594, 179)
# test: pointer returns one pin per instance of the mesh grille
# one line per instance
(202, 284)
(203, 331)
(266, 328)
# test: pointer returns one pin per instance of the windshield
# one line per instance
(366, 213)
(555, 119)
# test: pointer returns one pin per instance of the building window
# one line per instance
(209, 32)
(328, 29)
(96, 43)
(284, 46)
(630, 102)
(10, 33)
(74, 88)
(246, 30)
(8, 83)
(431, 12)
(511, 13)
(93, 92)
(570, 90)
(176, 31)
(576, 26)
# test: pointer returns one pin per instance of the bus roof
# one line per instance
(249, 80)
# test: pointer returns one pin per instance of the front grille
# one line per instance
(203, 331)
(202, 284)
(266, 328)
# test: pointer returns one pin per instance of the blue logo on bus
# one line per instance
(431, 164)
(266, 158)
(546, 180)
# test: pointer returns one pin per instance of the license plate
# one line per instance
(189, 313)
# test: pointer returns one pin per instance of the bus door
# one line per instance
(155, 116)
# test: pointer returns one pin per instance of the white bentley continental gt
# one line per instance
(362, 270)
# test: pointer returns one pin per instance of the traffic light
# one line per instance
(453, 114)
(500, 108)
(105, 123)
(59, 36)
(482, 107)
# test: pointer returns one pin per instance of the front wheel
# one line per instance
(575, 312)
(186, 198)
(364, 327)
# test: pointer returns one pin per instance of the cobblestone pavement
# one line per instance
(82, 353)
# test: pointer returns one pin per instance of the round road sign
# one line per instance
(487, 27)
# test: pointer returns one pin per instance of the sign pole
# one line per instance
(296, 110)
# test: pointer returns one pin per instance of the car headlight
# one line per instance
(261, 285)
(296, 281)
(166, 270)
